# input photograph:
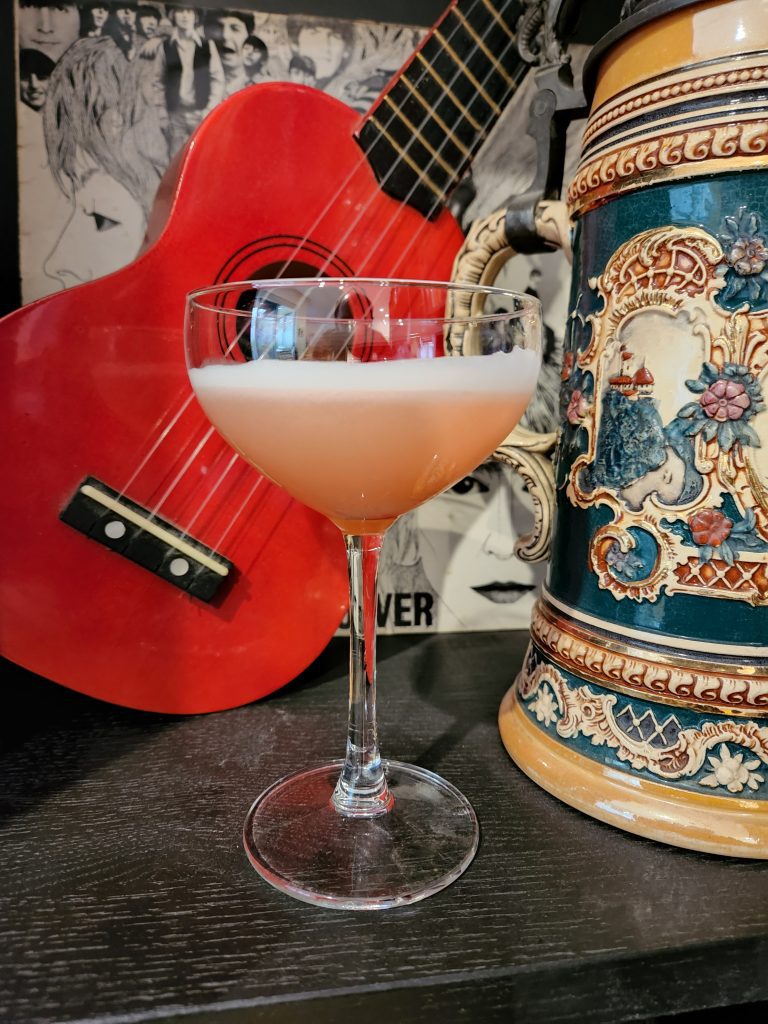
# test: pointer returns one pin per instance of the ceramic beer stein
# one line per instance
(643, 699)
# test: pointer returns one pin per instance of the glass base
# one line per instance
(299, 843)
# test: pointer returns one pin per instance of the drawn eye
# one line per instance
(468, 485)
(104, 223)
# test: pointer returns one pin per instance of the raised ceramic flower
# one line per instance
(711, 530)
(725, 400)
(747, 255)
(710, 527)
(729, 397)
(544, 706)
(731, 771)
(577, 408)
(719, 536)
(625, 562)
(746, 259)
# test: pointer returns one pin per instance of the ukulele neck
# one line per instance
(423, 131)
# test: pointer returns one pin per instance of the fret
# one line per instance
(466, 58)
(422, 174)
(393, 174)
(449, 93)
(415, 147)
(484, 22)
(433, 93)
(478, 42)
(465, 71)
(448, 132)
(450, 171)
(479, 104)
(498, 19)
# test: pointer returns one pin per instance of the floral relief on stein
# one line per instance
(723, 755)
(665, 403)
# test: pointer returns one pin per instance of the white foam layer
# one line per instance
(511, 373)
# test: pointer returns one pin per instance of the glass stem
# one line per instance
(361, 791)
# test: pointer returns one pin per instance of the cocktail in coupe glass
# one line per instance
(339, 391)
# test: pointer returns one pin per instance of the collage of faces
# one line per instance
(109, 92)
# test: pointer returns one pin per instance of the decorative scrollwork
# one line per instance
(479, 260)
(626, 574)
(536, 471)
(484, 252)
(668, 153)
(633, 670)
(642, 741)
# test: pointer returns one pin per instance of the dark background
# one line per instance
(595, 17)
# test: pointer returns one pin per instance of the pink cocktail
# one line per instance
(342, 392)
(365, 442)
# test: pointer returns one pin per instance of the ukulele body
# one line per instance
(95, 380)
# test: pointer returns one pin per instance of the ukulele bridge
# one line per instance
(122, 525)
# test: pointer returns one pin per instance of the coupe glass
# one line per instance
(344, 393)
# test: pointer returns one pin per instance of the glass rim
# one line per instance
(529, 303)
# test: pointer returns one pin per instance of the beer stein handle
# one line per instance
(484, 252)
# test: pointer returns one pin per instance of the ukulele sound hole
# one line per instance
(316, 262)
(336, 325)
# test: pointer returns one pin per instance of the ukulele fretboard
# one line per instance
(423, 131)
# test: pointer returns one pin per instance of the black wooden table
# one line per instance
(125, 895)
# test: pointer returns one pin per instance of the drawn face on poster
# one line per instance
(456, 555)
(49, 28)
(302, 70)
(271, 30)
(102, 165)
(106, 221)
(185, 19)
(148, 22)
(94, 19)
(255, 57)
(126, 16)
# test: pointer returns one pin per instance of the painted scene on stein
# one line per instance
(107, 95)
(671, 447)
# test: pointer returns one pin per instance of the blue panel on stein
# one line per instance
(661, 514)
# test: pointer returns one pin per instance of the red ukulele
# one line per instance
(143, 563)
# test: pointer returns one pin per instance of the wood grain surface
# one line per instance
(125, 895)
